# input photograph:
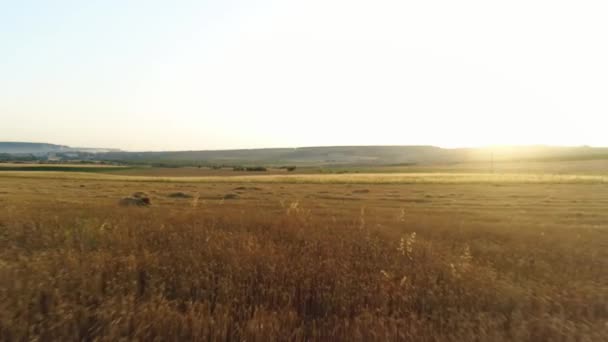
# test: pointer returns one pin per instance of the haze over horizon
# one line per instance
(203, 75)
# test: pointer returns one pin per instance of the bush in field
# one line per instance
(249, 168)
(255, 169)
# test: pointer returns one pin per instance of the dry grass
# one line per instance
(471, 262)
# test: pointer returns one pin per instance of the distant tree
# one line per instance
(256, 169)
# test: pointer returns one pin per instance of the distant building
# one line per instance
(52, 156)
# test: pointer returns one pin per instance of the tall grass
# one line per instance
(85, 273)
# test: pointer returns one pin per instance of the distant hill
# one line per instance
(317, 156)
(30, 148)
(43, 148)
(359, 155)
(283, 156)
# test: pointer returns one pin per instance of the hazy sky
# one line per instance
(167, 75)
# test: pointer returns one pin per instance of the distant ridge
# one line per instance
(359, 155)
(44, 148)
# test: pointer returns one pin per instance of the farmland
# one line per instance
(431, 255)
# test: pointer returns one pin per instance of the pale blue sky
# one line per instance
(168, 75)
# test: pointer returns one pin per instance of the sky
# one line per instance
(193, 75)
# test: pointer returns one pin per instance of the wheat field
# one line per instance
(359, 258)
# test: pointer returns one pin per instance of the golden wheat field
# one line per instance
(396, 257)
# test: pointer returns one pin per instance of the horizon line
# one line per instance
(315, 146)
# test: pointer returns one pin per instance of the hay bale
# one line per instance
(134, 202)
(361, 191)
(231, 196)
(243, 188)
(179, 195)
